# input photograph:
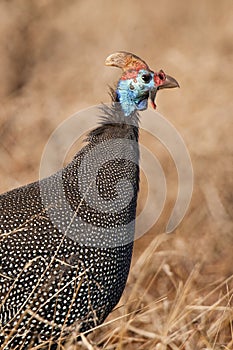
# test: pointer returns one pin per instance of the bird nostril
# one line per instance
(162, 75)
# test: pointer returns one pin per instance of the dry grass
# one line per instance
(163, 309)
(186, 315)
(179, 293)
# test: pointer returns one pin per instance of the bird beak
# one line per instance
(162, 81)
(169, 82)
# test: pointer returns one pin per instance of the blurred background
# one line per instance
(52, 57)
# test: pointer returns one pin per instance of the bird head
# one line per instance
(138, 82)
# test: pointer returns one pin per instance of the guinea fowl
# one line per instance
(66, 241)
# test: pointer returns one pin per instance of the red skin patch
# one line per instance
(130, 74)
(159, 78)
(153, 104)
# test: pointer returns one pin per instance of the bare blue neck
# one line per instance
(133, 91)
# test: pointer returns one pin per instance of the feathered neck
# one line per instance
(114, 114)
(113, 117)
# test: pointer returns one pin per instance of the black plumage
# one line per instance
(66, 241)
(53, 277)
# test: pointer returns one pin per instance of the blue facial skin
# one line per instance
(133, 93)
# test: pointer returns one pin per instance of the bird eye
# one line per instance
(146, 78)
